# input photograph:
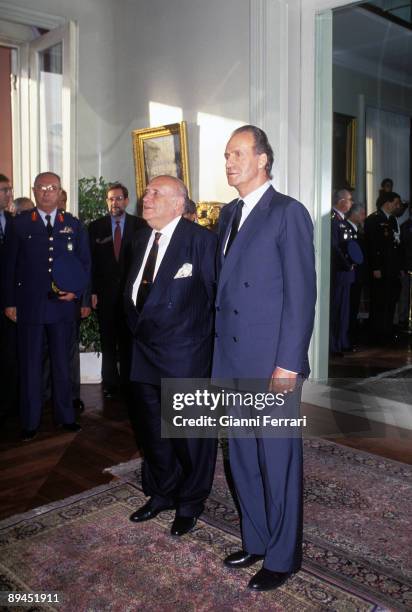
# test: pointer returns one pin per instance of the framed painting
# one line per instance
(160, 150)
(344, 151)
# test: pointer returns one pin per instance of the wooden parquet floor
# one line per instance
(57, 464)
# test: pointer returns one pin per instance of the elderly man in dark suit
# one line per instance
(38, 242)
(264, 318)
(8, 340)
(110, 239)
(170, 299)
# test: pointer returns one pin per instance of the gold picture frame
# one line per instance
(160, 150)
(344, 151)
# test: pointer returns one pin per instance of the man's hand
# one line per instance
(282, 381)
(94, 301)
(67, 296)
(85, 312)
(377, 274)
(11, 313)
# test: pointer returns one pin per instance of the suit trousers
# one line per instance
(384, 294)
(115, 343)
(8, 366)
(340, 311)
(177, 472)
(268, 478)
(31, 353)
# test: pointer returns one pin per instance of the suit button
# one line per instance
(51, 248)
(234, 339)
(50, 258)
(216, 335)
(217, 308)
(49, 269)
(51, 238)
(236, 311)
(246, 284)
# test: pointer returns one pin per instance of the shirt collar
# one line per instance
(341, 214)
(121, 220)
(253, 198)
(52, 215)
(168, 229)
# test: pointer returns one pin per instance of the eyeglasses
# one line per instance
(45, 188)
(7, 189)
(116, 199)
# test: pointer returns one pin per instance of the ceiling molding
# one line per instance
(16, 14)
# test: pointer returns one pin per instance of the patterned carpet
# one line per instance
(357, 519)
(356, 546)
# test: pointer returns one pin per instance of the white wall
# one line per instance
(131, 53)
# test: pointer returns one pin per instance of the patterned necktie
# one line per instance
(117, 240)
(235, 225)
(148, 273)
(49, 226)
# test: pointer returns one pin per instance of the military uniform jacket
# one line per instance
(341, 234)
(30, 253)
(382, 249)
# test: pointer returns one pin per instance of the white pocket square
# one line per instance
(184, 271)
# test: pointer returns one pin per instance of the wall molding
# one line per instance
(269, 78)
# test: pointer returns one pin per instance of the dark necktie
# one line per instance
(148, 273)
(235, 225)
(49, 226)
(117, 241)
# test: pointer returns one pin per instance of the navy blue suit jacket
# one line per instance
(173, 335)
(28, 251)
(266, 290)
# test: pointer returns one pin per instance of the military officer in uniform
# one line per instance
(345, 255)
(384, 258)
(43, 247)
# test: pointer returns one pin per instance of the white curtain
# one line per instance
(387, 153)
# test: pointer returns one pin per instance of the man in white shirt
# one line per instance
(169, 299)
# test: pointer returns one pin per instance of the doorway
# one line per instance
(372, 114)
(41, 98)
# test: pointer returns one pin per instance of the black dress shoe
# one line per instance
(28, 434)
(71, 427)
(147, 512)
(241, 559)
(266, 580)
(182, 525)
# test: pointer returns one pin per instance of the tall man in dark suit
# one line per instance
(38, 241)
(385, 264)
(110, 239)
(264, 318)
(169, 300)
(8, 339)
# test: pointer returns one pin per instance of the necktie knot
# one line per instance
(49, 226)
(157, 237)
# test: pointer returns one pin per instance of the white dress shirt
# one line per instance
(52, 216)
(249, 203)
(165, 238)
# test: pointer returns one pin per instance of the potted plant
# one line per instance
(92, 205)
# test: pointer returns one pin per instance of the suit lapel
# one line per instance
(167, 268)
(253, 223)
